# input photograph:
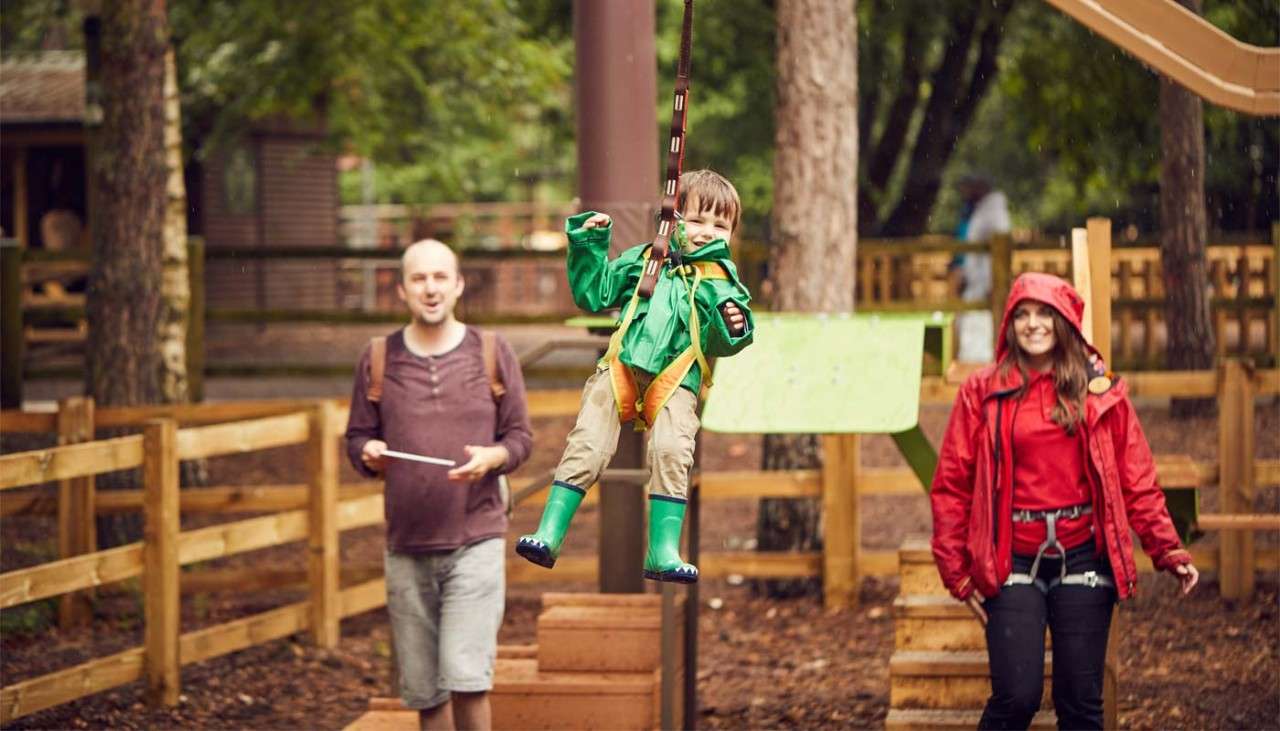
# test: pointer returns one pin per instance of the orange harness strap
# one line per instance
(644, 410)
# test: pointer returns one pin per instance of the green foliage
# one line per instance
(1074, 129)
(32, 618)
(448, 97)
(731, 93)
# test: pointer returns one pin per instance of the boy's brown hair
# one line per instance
(713, 192)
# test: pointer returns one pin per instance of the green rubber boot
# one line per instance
(543, 546)
(662, 562)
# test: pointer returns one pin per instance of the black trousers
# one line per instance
(1078, 617)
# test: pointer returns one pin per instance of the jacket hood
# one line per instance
(1052, 291)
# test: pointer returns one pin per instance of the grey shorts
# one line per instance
(445, 610)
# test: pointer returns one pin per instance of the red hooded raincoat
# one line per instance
(971, 493)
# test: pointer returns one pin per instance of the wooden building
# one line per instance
(277, 186)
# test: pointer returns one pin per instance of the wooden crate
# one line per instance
(923, 719)
(947, 680)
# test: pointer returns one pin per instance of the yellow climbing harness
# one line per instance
(644, 410)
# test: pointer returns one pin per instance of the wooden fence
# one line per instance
(319, 509)
(912, 275)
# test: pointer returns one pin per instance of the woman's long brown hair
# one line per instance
(1070, 370)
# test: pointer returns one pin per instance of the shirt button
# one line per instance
(435, 392)
(434, 378)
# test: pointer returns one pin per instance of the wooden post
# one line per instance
(1235, 479)
(21, 205)
(1151, 317)
(1124, 346)
(1111, 672)
(1001, 276)
(1218, 276)
(1099, 236)
(1082, 277)
(841, 537)
(76, 530)
(322, 540)
(1275, 295)
(195, 320)
(160, 560)
(11, 334)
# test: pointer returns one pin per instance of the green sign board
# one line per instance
(821, 374)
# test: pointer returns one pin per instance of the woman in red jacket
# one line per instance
(1044, 469)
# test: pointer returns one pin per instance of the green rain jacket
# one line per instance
(660, 329)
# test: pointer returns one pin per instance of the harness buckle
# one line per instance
(1091, 579)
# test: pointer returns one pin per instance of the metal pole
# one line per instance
(618, 174)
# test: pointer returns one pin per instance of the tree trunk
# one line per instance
(1183, 232)
(814, 216)
(128, 173)
(175, 295)
(943, 92)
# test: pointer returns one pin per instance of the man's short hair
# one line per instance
(400, 266)
(714, 192)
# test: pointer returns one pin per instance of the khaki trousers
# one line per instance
(594, 438)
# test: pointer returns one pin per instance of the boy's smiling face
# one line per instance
(703, 225)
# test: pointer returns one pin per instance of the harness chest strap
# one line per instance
(644, 409)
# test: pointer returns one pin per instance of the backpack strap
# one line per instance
(377, 366)
(489, 349)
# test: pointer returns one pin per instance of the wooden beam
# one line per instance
(17, 421)
(70, 574)
(1239, 521)
(761, 564)
(160, 560)
(841, 535)
(360, 511)
(222, 499)
(1235, 547)
(259, 579)
(736, 484)
(242, 436)
(322, 536)
(558, 402)
(76, 460)
(204, 413)
(1098, 233)
(62, 686)
(1082, 277)
(77, 532)
(225, 638)
(229, 539)
(363, 597)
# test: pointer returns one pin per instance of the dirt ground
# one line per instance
(1194, 663)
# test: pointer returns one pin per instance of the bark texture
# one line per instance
(1183, 232)
(815, 218)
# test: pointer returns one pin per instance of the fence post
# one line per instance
(1235, 479)
(195, 319)
(841, 538)
(1001, 276)
(1098, 232)
(76, 530)
(11, 335)
(322, 538)
(160, 560)
(1275, 295)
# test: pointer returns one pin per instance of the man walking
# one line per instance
(447, 392)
